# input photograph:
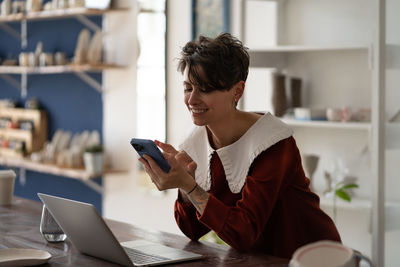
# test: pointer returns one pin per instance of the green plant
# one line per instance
(341, 191)
(94, 149)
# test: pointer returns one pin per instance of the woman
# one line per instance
(238, 173)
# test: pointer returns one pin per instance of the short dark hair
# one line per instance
(215, 64)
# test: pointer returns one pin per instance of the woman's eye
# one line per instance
(187, 89)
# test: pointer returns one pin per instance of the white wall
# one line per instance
(179, 33)
(120, 87)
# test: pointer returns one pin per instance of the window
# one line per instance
(151, 80)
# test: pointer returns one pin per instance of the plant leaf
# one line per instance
(343, 195)
(339, 185)
(348, 186)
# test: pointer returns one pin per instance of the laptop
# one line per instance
(89, 233)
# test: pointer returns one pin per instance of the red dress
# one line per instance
(275, 212)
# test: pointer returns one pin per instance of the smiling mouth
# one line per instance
(198, 111)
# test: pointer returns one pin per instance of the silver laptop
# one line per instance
(89, 233)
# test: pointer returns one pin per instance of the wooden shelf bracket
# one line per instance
(23, 85)
(10, 31)
(22, 36)
(89, 80)
(88, 23)
(8, 78)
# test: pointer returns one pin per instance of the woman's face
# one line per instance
(207, 108)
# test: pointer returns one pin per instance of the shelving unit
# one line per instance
(328, 124)
(309, 36)
(81, 15)
(82, 71)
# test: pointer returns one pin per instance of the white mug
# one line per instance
(7, 179)
(328, 254)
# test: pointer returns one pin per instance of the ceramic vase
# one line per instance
(295, 92)
(93, 163)
(279, 100)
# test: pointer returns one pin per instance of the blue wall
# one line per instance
(71, 104)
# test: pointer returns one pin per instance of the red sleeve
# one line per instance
(186, 218)
(241, 225)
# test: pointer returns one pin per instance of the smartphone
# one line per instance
(146, 146)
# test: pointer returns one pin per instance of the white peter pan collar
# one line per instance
(237, 157)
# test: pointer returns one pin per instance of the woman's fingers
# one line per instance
(183, 158)
(166, 147)
(148, 169)
(158, 174)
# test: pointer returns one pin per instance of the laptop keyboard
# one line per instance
(139, 257)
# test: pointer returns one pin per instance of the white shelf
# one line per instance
(356, 203)
(308, 48)
(329, 124)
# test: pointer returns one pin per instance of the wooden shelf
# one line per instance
(10, 153)
(34, 139)
(25, 163)
(56, 69)
(329, 124)
(308, 48)
(57, 14)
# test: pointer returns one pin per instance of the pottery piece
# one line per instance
(82, 46)
(46, 59)
(295, 92)
(334, 114)
(279, 101)
(95, 49)
(5, 7)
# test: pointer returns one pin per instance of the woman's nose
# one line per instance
(193, 97)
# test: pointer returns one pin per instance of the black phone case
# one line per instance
(146, 146)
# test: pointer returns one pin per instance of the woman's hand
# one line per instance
(181, 156)
(181, 174)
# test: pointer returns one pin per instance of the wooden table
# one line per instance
(19, 228)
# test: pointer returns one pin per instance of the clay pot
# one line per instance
(279, 100)
(295, 92)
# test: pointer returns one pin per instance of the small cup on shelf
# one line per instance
(33, 60)
(18, 7)
(46, 59)
(60, 58)
(23, 59)
(33, 5)
(334, 114)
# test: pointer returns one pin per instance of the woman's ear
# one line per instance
(239, 90)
